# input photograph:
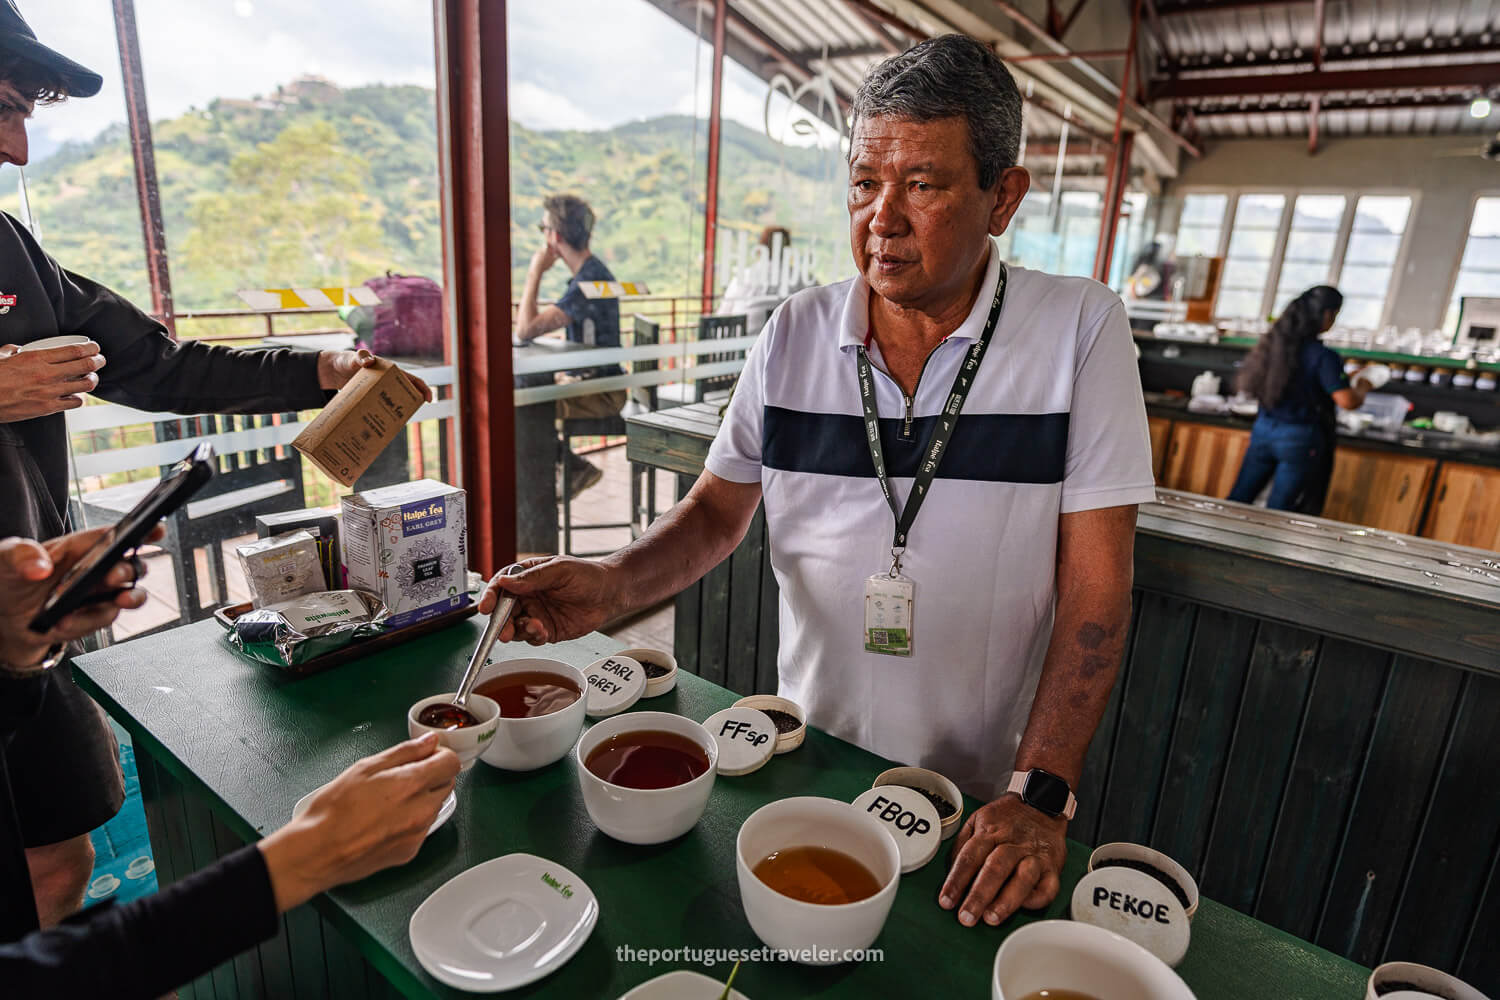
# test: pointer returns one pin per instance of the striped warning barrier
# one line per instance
(308, 298)
(612, 289)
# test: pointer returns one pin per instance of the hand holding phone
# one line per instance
(85, 581)
(30, 571)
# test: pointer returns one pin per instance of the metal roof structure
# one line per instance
(1224, 68)
(1345, 67)
(841, 39)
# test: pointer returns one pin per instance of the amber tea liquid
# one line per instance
(526, 694)
(649, 758)
(817, 875)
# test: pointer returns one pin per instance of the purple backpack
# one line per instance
(408, 322)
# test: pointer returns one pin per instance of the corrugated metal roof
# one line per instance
(1256, 43)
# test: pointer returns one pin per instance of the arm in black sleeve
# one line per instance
(148, 947)
(146, 369)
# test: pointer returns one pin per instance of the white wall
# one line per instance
(1443, 174)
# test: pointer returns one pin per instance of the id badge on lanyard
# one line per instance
(890, 597)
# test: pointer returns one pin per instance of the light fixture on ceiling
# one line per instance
(1480, 108)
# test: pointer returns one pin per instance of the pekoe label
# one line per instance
(911, 819)
(1134, 905)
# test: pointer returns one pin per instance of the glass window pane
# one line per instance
(1318, 212)
(1479, 272)
(1365, 279)
(1369, 261)
(1205, 208)
(1372, 248)
(1309, 246)
(1201, 223)
(1360, 312)
(1252, 243)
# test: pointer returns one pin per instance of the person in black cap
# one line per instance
(66, 775)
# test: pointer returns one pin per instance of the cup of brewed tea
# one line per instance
(465, 732)
(817, 877)
(1067, 960)
(541, 703)
(1410, 981)
(646, 776)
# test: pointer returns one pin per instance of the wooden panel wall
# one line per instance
(726, 627)
(1339, 791)
(1331, 789)
(307, 959)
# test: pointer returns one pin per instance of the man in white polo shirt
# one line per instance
(950, 452)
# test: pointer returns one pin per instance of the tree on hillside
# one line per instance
(296, 212)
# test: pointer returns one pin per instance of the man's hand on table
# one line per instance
(38, 383)
(336, 368)
(557, 598)
(30, 571)
(373, 816)
(1008, 855)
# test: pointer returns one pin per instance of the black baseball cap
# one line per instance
(17, 39)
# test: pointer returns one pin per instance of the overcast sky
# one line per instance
(583, 64)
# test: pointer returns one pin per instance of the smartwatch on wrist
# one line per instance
(1044, 791)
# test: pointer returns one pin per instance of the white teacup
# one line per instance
(467, 742)
(1066, 955)
(646, 815)
(48, 343)
(791, 924)
(533, 742)
(1421, 981)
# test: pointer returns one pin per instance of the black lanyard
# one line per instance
(942, 428)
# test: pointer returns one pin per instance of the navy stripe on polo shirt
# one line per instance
(985, 447)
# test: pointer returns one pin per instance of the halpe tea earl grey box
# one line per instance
(408, 545)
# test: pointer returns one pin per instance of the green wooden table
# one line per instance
(219, 734)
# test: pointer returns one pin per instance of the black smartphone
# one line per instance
(82, 585)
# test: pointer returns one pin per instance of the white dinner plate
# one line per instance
(684, 984)
(503, 924)
(445, 811)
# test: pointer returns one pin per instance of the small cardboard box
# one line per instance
(408, 544)
(358, 423)
(321, 524)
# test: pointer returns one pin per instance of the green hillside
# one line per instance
(320, 186)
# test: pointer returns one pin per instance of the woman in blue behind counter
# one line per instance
(1297, 382)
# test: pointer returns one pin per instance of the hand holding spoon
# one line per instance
(457, 715)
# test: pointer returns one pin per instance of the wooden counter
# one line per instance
(1304, 718)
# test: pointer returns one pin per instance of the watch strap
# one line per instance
(55, 655)
(1017, 786)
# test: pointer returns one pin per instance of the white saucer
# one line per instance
(684, 984)
(503, 924)
(445, 811)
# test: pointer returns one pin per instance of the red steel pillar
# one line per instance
(474, 160)
(711, 189)
(1119, 161)
(143, 153)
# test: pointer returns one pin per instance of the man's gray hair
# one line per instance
(950, 76)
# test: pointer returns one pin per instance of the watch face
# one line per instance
(1046, 792)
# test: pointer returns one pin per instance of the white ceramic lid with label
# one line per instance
(502, 924)
(1135, 906)
(746, 738)
(909, 817)
(615, 683)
